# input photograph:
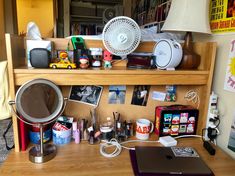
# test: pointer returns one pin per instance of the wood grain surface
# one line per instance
(85, 160)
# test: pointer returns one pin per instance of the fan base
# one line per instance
(49, 152)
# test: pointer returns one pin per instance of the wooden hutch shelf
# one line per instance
(200, 79)
(115, 76)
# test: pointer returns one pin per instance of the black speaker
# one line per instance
(39, 57)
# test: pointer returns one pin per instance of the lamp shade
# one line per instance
(189, 16)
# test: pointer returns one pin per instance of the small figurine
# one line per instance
(96, 54)
(83, 61)
(96, 62)
(107, 59)
(63, 62)
(63, 55)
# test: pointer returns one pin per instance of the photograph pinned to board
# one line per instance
(231, 141)
(140, 95)
(229, 82)
(117, 94)
(88, 94)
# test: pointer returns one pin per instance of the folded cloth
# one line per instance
(5, 111)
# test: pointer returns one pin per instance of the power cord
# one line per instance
(185, 136)
(118, 147)
(192, 96)
(111, 143)
(4, 136)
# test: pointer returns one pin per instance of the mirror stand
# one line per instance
(39, 102)
(43, 152)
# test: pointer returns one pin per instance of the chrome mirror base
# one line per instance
(49, 152)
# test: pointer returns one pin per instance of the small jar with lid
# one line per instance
(106, 130)
(96, 54)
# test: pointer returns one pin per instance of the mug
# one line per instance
(143, 128)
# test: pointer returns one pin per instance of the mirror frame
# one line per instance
(44, 120)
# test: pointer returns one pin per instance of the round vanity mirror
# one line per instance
(39, 102)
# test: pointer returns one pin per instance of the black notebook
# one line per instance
(169, 161)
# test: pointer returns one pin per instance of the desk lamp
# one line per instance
(188, 16)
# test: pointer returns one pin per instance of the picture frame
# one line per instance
(87, 94)
(140, 95)
(117, 94)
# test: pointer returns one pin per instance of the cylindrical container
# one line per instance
(96, 54)
(75, 127)
(76, 135)
(143, 128)
(106, 133)
(129, 129)
(35, 136)
(62, 137)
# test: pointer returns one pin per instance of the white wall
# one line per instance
(226, 103)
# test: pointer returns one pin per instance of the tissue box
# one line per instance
(31, 44)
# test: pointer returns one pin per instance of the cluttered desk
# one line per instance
(116, 151)
(85, 159)
(93, 156)
(113, 149)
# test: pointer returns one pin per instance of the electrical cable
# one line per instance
(112, 142)
(206, 144)
(118, 147)
(192, 96)
(185, 136)
(203, 129)
(217, 120)
(4, 136)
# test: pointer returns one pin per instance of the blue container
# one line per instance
(35, 136)
(62, 137)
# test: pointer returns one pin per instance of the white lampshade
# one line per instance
(189, 16)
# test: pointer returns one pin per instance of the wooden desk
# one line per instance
(84, 159)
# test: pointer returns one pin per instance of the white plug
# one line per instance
(167, 141)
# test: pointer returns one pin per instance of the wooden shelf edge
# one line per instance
(115, 70)
(115, 79)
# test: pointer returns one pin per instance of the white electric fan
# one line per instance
(121, 35)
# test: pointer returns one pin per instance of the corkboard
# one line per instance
(127, 110)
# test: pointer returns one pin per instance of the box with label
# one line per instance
(176, 120)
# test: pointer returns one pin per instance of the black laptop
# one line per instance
(183, 161)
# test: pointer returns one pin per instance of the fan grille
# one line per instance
(121, 35)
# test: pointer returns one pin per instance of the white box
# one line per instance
(167, 141)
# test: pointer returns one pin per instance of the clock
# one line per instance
(168, 54)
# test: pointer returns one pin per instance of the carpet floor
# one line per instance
(9, 137)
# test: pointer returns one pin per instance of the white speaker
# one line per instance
(168, 54)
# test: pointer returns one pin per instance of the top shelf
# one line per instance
(118, 75)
